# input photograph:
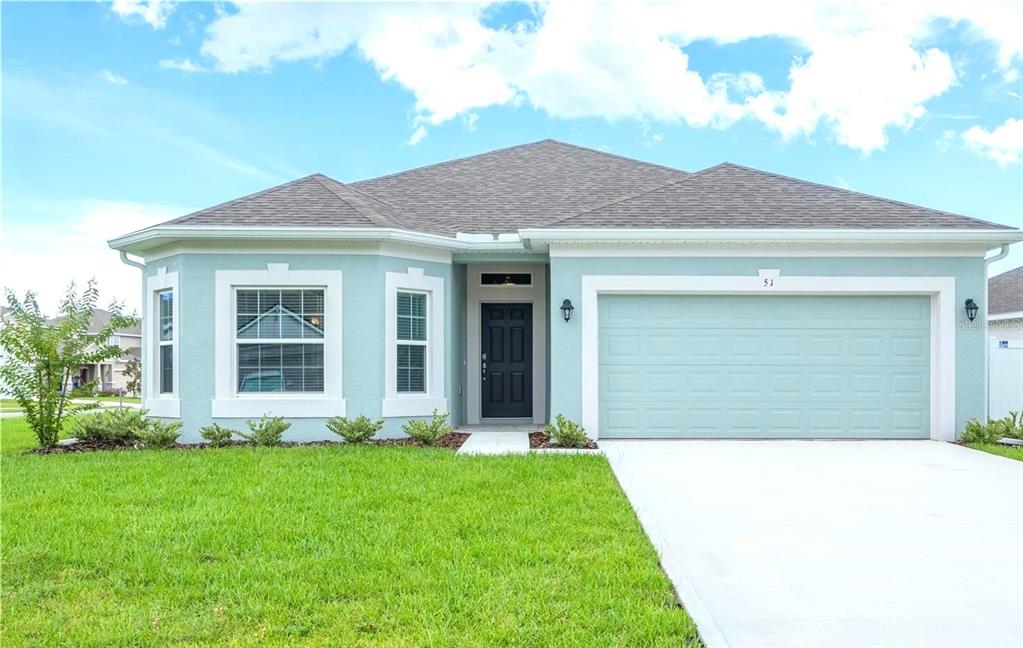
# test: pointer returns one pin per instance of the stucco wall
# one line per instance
(566, 340)
(362, 344)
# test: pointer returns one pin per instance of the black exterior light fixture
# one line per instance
(566, 309)
(971, 309)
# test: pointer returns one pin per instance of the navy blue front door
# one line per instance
(506, 360)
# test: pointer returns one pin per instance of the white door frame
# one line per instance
(770, 282)
(476, 294)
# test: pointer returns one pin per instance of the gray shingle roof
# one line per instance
(1005, 292)
(513, 188)
(733, 196)
(553, 184)
(101, 318)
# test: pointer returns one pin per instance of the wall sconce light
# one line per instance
(971, 309)
(566, 309)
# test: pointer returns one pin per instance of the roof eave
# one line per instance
(991, 237)
(141, 241)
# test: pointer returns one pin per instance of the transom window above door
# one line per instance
(279, 339)
(506, 279)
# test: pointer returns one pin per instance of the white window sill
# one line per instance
(287, 407)
(412, 406)
(163, 407)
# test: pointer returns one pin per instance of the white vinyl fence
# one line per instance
(1005, 379)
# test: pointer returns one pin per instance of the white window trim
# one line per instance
(397, 404)
(227, 403)
(158, 404)
(943, 322)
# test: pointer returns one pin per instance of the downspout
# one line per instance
(1004, 252)
(142, 266)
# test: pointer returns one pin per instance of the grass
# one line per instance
(1010, 452)
(114, 399)
(318, 546)
(9, 405)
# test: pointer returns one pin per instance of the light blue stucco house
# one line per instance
(640, 300)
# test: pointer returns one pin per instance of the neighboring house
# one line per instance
(109, 376)
(639, 300)
(1005, 338)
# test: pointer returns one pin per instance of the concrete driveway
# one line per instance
(834, 543)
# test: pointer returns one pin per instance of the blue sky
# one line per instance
(116, 116)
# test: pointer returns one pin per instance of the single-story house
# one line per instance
(1005, 343)
(505, 288)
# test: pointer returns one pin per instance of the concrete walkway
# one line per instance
(827, 544)
(495, 443)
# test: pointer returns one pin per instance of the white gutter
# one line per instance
(917, 235)
(154, 236)
(538, 238)
(987, 344)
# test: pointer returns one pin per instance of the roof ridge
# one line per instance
(226, 202)
(376, 217)
(855, 193)
(690, 176)
(617, 156)
(452, 161)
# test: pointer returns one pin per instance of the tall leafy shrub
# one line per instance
(42, 354)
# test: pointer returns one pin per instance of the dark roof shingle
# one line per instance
(1005, 292)
(733, 196)
(553, 184)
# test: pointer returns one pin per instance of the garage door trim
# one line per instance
(770, 282)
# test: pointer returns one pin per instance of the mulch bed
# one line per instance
(540, 440)
(452, 441)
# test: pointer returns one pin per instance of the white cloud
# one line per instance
(1004, 144)
(183, 65)
(112, 77)
(866, 68)
(417, 135)
(38, 256)
(152, 12)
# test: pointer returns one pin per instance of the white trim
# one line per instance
(476, 294)
(746, 235)
(534, 239)
(353, 248)
(397, 404)
(1005, 316)
(760, 249)
(160, 405)
(227, 403)
(943, 322)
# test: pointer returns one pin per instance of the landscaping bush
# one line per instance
(566, 433)
(113, 425)
(429, 432)
(357, 430)
(267, 431)
(977, 432)
(158, 434)
(216, 435)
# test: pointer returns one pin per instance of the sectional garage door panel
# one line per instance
(764, 367)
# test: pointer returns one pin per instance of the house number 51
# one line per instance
(768, 282)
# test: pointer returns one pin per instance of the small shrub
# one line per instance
(357, 430)
(159, 434)
(429, 432)
(112, 425)
(267, 431)
(977, 432)
(566, 433)
(1015, 421)
(216, 435)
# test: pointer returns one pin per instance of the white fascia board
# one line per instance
(994, 317)
(162, 234)
(990, 237)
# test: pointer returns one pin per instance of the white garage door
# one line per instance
(715, 366)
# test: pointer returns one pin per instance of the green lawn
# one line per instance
(318, 546)
(9, 405)
(1012, 452)
(115, 399)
